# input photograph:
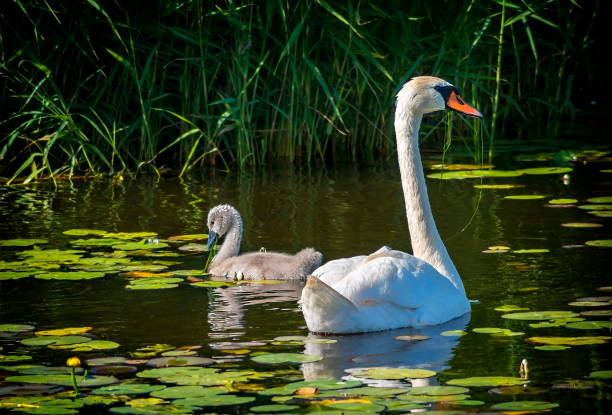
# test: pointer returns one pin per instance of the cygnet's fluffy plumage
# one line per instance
(224, 220)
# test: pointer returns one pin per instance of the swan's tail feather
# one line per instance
(325, 309)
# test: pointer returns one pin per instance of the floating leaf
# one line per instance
(602, 199)
(181, 392)
(87, 346)
(193, 248)
(350, 407)
(54, 340)
(451, 333)
(14, 358)
(69, 275)
(180, 361)
(581, 225)
(412, 338)
(96, 242)
(590, 325)
(510, 307)
(531, 251)
(132, 246)
(601, 242)
(130, 235)
(524, 197)
(589, 303)
(101, 361)
(83, 232)
(16, 275)
(127, 389)
(490, 381)
(599, 313)
(16, 328)
(524, 406)
(570, 341)
(290, 338)
(602, 374)
(551, 348)
(22, 242)
(393, 373)
(190, 237)
(63, 332)
(498, 186)
(64, 380)
(113, 370)
(490, 330)
(215, 400)
(594, 207)
(278, 358)
(437, 390)
(273, 408)
(540, 315)
(213, 284)
(562, 201)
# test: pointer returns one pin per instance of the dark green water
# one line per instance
(341, 212)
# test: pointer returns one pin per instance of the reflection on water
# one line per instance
(383, 349)
(228, 304)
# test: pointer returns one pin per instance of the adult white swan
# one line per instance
(391, 289)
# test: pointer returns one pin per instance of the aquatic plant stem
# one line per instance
(500, 42)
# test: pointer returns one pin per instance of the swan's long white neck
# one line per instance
(426, 242)
(231, 244)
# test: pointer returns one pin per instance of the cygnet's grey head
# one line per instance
(220, 219)
(425, 94)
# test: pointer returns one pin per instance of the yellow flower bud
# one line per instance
(73, 362)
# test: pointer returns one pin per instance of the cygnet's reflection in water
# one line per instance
(226, 305)
(382, 349)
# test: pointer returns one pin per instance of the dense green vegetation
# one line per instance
(91, 86)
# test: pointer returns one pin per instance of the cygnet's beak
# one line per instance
(212, 238)
(455, 103)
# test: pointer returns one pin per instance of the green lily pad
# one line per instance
(594, 207)
(22, 242)
(193, 247)
(590, 325)
(531, 251)
(290, 338)
(64, 380)
(87, 346)
(498, 186)
(524, 406)
(113, 370)
(552, 348)
(581, 225)
(45, 370)
(323, 384)
(370, 391)
(602, 199)
(54, 340)
(570, 341)
(602, 374)
(524, 197)
(540, 315)
(490, 381)
(453, 333)
(589, 303)
(601, 242)
(555, 323)
(132, 246)
(130, 235)
(102, 361)
(14, 358)
(280, 358)
(213, 284)
(393, 373)
(562, 201)
(175, 353)
(438, 390)
(356, 407)
(63, 332)
(214, 400)
(16, 328)
(510, 307)
(69, 275)
(127, 389)
(189, 272)
(153, 283)
(597, 313)
(96, 242)
(83, 232)
(16, 275)
(180, 361)
(181, 392)
(490, 330)
(273, 408)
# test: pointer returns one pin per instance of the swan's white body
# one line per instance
(392, 289)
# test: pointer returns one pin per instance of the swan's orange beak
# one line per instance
(455, 102)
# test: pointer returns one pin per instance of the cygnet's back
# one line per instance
(224, 220)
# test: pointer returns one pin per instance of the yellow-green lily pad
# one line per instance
(531, 251)
(279, 358)
(506, 308)
(524, 406)
(22, 242)
(130, 235)
(453, 333)
(14, 358)
(589, 325)
(87, 346)
(128, 389)
(173, 361)
(602, 374)
(581, 225)
(540, 315)
(16, 275)
(595, 207)
(193, 391)
(393, 373)
(69, 275)
(602, 199)
(64, 380)
(83, 232)
(54, 340)
(274, 408)
(63, 332)
(552, 348)
(214, 400)
(570, 341)
(16, 328)
(438, 390)
(600, 242)
(489, 381)
(498, 186)
(562, 201)
(132, 246)
(524, 197)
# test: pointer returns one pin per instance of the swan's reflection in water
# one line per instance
(226, 319)
(227, 304)
(382, 349)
